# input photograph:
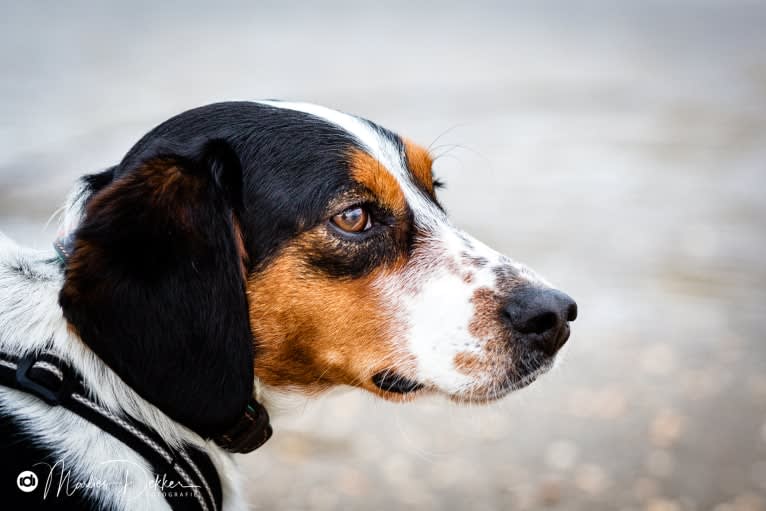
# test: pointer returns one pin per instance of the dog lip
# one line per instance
(393, 382)
(518, 381)
(511, 384)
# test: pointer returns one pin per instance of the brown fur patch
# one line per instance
(420, 163)
(497, 351)
(315, 331)
(166, 186)
(239, 240)
(469, 363)
(161, 177)
(485, 325)
(369, 172)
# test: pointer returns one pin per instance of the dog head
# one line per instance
(306, 247)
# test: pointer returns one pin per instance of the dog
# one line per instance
(242, 252)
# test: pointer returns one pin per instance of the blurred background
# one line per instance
(619, 148)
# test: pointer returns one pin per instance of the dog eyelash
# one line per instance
(439, 184)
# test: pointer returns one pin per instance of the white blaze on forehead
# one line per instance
(389, 154)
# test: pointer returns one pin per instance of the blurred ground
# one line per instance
(618, 148)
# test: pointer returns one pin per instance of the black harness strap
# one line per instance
(51, 379)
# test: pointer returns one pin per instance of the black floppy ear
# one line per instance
(155, 285)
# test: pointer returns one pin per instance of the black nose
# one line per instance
(544, 312)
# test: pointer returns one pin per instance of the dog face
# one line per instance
(383, 292)
(304, 247)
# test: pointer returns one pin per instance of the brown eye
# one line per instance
(354, 219)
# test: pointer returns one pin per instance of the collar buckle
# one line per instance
(250, 432)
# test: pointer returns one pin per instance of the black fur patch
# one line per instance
(154, 286)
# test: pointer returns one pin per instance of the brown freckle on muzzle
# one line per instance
(487, 326)
(469, 363)
(486, 323)
(495, 348)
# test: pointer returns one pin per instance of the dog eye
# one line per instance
(354, 219)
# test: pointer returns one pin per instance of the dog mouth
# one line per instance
(521, 376)
(513, 380)
(390, 381)
(524, 380)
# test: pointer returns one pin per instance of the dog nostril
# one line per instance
(543, 313)
(547, 320)
(572, 312)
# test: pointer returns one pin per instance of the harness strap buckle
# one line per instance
(50, 380)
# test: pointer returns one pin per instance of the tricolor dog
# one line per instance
(240, 252)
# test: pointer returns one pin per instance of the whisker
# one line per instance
(443, 133)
